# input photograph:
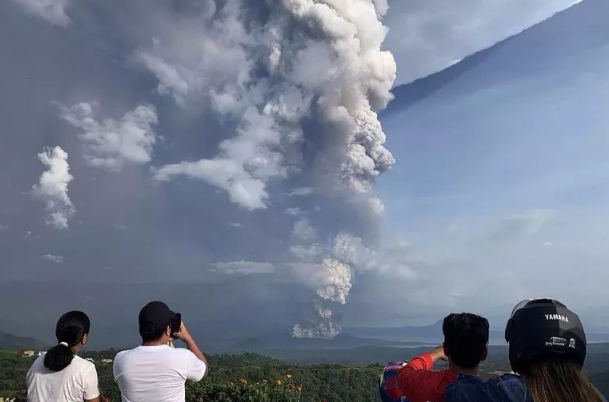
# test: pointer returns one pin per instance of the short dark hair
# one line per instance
(152, 336)
(465, 338)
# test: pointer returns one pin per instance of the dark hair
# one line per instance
(465, 338)
(555, 378)
(150, 336)
(70, 330)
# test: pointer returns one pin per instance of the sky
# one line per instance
(232, 161)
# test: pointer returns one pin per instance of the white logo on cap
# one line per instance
(556, 341)
(557, 317)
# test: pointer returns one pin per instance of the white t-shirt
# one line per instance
(156, 373)
(75, 383)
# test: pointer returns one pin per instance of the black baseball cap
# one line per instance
(155, 317)
(544, 327)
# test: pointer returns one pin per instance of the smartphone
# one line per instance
(176, 323)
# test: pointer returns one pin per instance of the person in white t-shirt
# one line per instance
(155, 371)
(60, 375)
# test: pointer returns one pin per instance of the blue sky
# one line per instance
(516, 132)
(498, 191)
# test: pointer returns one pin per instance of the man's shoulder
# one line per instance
(181, 353)
(124, 354)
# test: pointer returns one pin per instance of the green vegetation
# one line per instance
(233, 378)
(255, 378)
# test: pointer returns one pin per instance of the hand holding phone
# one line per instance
(176, 323)
(183, 333)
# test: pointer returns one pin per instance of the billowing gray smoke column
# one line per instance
(303, 81)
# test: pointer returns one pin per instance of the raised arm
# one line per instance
(198, 370)
(417, 380)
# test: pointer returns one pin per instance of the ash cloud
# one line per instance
(268, 115)
(301, 87)
(52, 188)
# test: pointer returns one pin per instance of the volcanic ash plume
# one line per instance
(323, 325)
(302, 82)
(329, 270)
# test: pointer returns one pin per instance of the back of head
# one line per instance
(548, 346)
(70, 331)
(466, 338)
(154, 318)
(544, 327)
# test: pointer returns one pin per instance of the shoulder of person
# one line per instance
(82, 364)
(509, 377)
(183, 352)
(466, 381)
(38, 364)
(123, 353)
(39, 360)
(85, 364)
(509, 381)
(466, 388)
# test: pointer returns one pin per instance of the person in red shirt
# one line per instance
(465, 346)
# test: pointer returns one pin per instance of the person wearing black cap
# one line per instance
(547, 348)
(155, 371)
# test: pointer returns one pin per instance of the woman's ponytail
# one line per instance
(71, 329)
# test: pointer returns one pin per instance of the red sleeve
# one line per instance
(418, 381)
(423, 362)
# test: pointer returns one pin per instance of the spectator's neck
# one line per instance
(458, 370)
(158, 342)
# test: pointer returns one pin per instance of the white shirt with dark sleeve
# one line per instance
(156, 373)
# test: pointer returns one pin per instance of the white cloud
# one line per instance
(242, 188)
(548, 244)
(170, 80)
(299, 192)
(427, 36)
(57, 259)
(293, 211)
(53, 11)
(53, 187)
(244, 268)
(243, 166)
(4, 228)
(111, 144)
(527, 222)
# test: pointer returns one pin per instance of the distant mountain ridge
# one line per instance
(288, 342)
(14, 342)
(433, 333)
(405, 333)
